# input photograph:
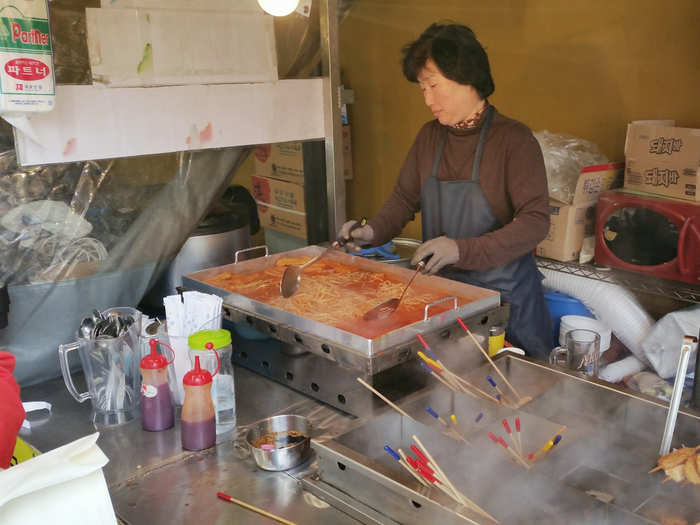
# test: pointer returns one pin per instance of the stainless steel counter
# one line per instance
(153, 480)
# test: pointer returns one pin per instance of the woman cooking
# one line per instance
(479, 180)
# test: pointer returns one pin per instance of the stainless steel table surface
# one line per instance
(153, 480)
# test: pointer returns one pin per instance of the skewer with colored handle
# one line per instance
(437, 375)
(517, 436)
(500, 394)
(437, 416)
(450, 376)
(464, 500)
(453, 418)
(413, 469)
(488, 358)
(248, 506)
(404, 465)
(511, 436)
(546, 448)
(502, 442)
(456, 383)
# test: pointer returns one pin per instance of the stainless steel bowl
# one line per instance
(280, 458)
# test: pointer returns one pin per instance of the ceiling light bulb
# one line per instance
(278, 7)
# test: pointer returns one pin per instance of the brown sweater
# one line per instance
(512, 177)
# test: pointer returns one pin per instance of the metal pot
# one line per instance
(281, 458)
(221, 233)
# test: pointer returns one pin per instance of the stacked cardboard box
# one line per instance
(663, 160)
(572, 224)
(287, 177)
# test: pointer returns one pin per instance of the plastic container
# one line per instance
(213, 347)
(156, 399)
(561, 304)
(580, 322)
(198, 428)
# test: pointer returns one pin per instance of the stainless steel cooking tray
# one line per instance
(367, 348)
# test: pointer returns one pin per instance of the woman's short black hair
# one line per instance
(456, 51)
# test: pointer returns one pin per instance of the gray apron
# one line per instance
(458, 210)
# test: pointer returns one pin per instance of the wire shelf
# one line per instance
(632, 281)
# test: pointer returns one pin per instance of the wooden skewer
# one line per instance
(517, 457)
(541, 451)
(488, 358)
(248, 506)
(518, 437)
(408, 467)
(464, 500)
(435, 466)
(380, 396)
(469, 385)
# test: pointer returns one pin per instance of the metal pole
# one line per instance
(696, 381)
(688, 343)
(330, 64)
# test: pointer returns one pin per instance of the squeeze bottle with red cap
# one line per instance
(198, 429)
(156, 400)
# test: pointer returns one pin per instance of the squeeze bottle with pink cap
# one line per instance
(198, 429)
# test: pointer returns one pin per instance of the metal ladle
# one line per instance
(291, 278)
(388, 307)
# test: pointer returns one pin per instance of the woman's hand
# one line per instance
(441, 250)
(353, 234)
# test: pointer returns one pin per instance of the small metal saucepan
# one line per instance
(286, 453)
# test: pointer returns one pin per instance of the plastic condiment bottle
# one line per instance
(207, 344)
(198, 429)
(156, 400)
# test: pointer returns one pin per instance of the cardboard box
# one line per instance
(663, 160)
(571, 223)
(286, 221)
(283, 161)
(282, 194)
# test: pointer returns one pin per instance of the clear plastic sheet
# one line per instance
(93, 235)
(564, 156)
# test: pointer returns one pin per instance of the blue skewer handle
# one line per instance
(430, 353)
(490, 380)
(556, 440)
(392, 453)
(432, 412)
(426, 367)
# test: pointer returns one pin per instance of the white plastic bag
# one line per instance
(662, 345)
(564, 157)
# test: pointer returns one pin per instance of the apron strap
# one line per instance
(480, 146)
(438, 154)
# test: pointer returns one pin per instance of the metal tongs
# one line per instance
(291, 278)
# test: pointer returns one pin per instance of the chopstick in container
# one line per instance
(248, 506)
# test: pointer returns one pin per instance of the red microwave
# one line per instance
(652, 235)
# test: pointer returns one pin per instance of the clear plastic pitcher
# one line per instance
(111, 368)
